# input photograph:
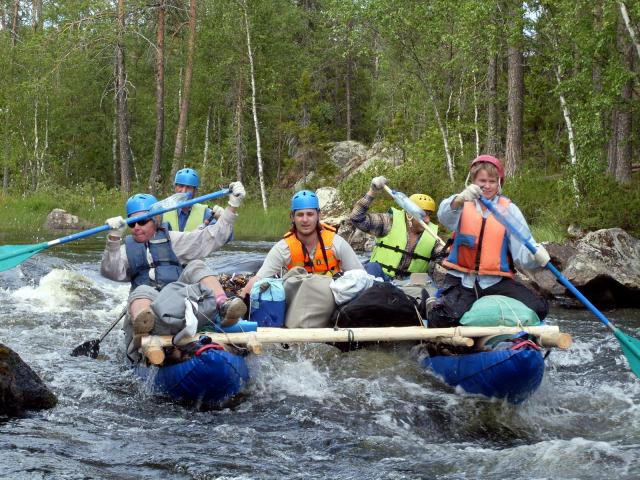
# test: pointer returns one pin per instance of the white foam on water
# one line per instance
(303, 379)
(580, 353)
(52, 293)
(582, 457)
(57, 292)
(298, 377)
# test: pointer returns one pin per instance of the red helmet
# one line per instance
(493, 161)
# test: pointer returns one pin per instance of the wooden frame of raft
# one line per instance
(548, 336)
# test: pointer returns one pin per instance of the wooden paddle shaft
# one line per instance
(385, 334)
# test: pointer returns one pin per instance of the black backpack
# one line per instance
(381, 305)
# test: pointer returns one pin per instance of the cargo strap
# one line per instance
(208, 346)
(525, 343)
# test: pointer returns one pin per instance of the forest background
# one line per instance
(104, 98)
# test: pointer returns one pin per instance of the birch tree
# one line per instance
(254, 108)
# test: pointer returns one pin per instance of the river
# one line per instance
(309, 412)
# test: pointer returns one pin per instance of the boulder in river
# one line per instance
(606, 268)
(20, 387)
(543, 280)
(59, 219)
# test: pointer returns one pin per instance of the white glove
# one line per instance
(378, 183)
(217, 211)
(469, 194)
(541, 256)
(117, 226)
(237, 194)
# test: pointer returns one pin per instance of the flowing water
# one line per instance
(309, 412)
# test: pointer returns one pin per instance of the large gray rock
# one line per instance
(359, 240)
(20, 387)
(330, 203)
(59, 219)
(606, 268)
(342, 153)
(301, 184)
(379, 152)
(542, 279)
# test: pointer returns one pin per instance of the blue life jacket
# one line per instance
(164, 260)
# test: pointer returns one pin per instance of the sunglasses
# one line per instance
(142, 223)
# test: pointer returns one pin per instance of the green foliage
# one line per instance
(417, 76)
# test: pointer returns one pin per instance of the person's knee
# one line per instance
(195, 271)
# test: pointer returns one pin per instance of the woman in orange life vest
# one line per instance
(482, 256)
(309, 244)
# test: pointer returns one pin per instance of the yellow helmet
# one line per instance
(425, 202)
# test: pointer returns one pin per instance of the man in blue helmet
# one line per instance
(309, 243)
(199, 215)
(154, 256)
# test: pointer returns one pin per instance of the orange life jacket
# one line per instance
(324, 261)
(480, 245)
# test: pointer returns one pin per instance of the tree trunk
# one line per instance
(513, 147)
(263, 190)
(121, 96)
(7, 146)
(36, 15)
(237, 120)
(493, 143)
(348, 78)
(623, 142)
(629, 25)
(184, 104)
(459, 116)
(154, 176)
(114, 142)
(569, 124)
(205, 156)
(612, 145)
(476, 128)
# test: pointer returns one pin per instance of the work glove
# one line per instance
(469, 194)
(117, 226)
(217, 211)
(237, 194)
(541, 256)
(378, 183)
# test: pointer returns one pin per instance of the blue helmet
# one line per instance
(304, 199)
(140, 202)
(187, 176)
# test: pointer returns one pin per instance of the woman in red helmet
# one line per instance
(482, 256)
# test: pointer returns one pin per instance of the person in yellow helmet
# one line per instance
(402, 245)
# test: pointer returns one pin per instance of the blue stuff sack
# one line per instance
(268, 305)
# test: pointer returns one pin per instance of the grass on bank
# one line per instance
(95, 205)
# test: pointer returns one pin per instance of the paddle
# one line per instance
(630, 346)
(412, 209)
(12, 255)
(90, 348)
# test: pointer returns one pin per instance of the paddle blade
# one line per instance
(87, 349)
(407, 205)
(631, 349)
(13, 255)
